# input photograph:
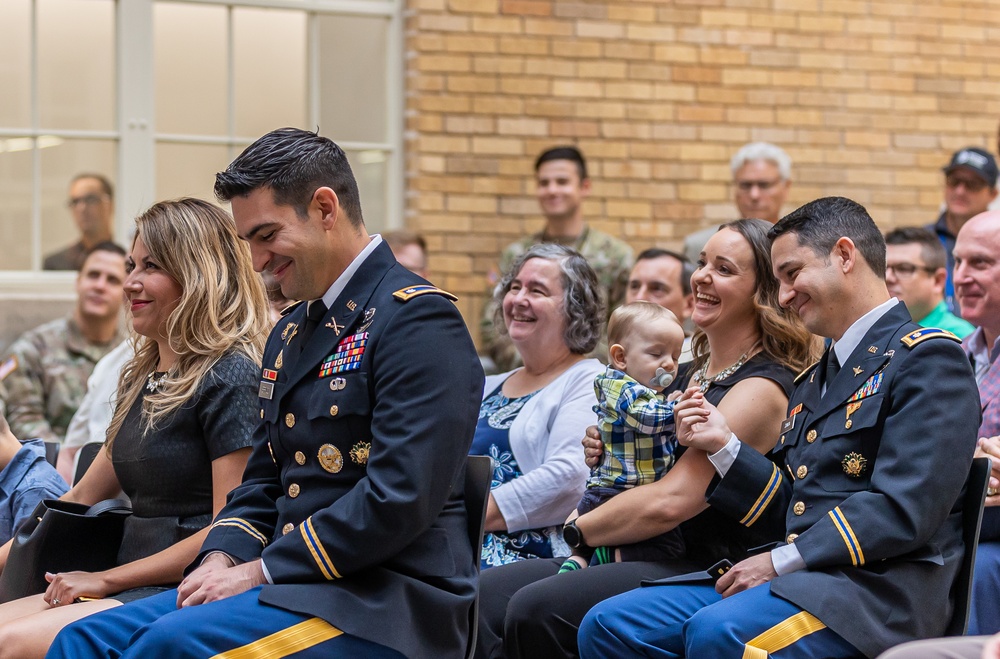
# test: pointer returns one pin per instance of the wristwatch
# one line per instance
(573, 537)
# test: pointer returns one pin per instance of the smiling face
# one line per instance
(152, 294)
(811, 285)
(724, 282)
(658, 281)
(290, 247)
(559, 189)
(648, 347)
(533, 307)
(977, 272)
(99, 286)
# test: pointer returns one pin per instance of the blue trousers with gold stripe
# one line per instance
(237, 627)
(694, 621)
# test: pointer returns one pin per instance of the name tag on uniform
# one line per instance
(266, 390)
(789, 423)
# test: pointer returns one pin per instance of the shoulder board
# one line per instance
(924, 333)
(806, 371)
(290, 308)
(8, 367)
(410, 292)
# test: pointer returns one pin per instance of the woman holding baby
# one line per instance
(747, 351)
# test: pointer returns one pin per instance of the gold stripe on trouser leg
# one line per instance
(288, 641)
(782, 635)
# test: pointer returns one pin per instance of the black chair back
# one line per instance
(478, 477)
(52, 452)
(972, 516)
(87, 454)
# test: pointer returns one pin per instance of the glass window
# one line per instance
(352, 100)
(15, 209)
(370, 169)
(269, 70)
(190, 53)
(61, 160)
(15, 54)
(188, 170)
(76, 64)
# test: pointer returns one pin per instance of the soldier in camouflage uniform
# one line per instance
(562, 184)
(44, 373)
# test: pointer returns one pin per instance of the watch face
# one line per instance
(571, 535)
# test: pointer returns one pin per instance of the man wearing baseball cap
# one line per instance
(970, 184)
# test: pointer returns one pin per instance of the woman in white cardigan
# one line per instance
(532, 418)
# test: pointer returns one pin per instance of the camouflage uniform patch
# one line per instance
(54, 361)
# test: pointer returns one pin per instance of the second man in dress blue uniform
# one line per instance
(348, 536)
(864, 483)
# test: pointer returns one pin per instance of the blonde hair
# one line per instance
(222, 307)
(624, 318)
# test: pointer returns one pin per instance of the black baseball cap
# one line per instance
(979, 161)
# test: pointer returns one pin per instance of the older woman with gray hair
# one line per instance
(532, 418)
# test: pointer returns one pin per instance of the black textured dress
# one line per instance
(167, 473)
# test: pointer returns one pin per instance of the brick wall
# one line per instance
(868, 97)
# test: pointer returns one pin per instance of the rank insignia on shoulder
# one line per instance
(289, 309)
(924, 333)
(805, 372)
(410, 292)
(8, 366)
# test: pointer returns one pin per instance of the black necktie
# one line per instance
(832, 367)
(314, 315)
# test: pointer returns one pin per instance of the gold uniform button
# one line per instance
(287, 528)
(811, 436)
(782, 439)
(300, 457)
(799, 508)
(289, 419)
(848, 424)
(262, 413)
(800, 472)
(293, 490)
(791, 537)
(334, 410)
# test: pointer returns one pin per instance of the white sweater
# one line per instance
(545, 440)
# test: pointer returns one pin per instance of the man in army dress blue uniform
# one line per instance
(863, 484)
(348, 535)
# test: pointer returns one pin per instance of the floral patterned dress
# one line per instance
(496, 415)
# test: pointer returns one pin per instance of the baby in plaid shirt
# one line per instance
(635, 421)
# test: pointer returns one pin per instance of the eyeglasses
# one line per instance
(89, 200)
(763, 186)
(906, 270)
(972, 184)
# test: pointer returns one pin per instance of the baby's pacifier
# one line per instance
(662, 379)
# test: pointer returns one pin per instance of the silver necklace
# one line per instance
(154, 383)
(704, 382)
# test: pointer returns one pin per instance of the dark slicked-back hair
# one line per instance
(687, 268)
(570, 153)
(819, 224)
(292, 163)
(931, 249)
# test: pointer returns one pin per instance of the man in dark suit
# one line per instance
(348, 536)
(864, 482)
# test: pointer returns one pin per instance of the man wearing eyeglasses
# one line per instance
(762, 176)
(970, 184)
(915, 273)
(92, 203)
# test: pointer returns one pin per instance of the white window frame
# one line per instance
(135, 125)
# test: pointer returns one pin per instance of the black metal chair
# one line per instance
(86, 455)
(478, 477)
(972, 516)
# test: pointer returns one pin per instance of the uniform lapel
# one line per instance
(869, 356)
(344, 314)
